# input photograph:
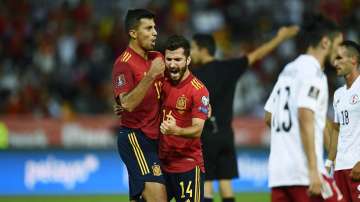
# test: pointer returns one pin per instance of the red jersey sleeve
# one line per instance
(155, 54)
(122, 78)
(201, 104)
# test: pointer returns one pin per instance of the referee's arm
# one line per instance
(282, 35)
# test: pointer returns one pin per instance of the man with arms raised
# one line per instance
(136, 83)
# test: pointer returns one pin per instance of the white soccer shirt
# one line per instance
(302, 84)
(347, 113)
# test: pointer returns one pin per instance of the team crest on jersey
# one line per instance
(156, 170)
(181, 103)
(354, 99)
(121, 80)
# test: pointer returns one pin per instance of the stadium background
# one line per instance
(56, 124)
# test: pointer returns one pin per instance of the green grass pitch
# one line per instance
(242, 197)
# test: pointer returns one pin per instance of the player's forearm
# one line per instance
(333, 142)
(132, 99)
(306, 121)
(264, 49)
(193, 131)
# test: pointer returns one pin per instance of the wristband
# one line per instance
(329, 163)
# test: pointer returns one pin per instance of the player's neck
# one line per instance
(318, 55)
(207, 58)
(137, 49)
(350, 78)
(186, 74)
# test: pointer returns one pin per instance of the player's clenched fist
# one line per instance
(168, 126)
(315, 183)
(157, 67)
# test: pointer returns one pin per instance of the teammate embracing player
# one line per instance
(136, 77)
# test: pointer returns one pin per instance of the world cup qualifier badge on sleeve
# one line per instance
(314, 92)
(204, 108)
(121, 80)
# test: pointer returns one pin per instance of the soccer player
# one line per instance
(296, 111)
(136, 77)
(185, 107)
(345, 139)
(220, 78)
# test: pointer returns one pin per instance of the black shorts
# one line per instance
(219, 156)
(140, 155)
(185, 187)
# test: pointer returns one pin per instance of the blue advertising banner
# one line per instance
(96, 172)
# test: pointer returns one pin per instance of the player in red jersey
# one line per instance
(136, 83)
(185, 107)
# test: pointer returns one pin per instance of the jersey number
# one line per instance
(283, 123)
(345, 117)
(165, 114)
(158, 86)
(188, 189)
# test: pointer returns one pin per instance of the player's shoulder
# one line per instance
(308, 66)
(154, 54)
(339, 91)
(197, 84)
(124, 59)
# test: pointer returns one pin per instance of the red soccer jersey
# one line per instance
(189, 99)
(128, 70)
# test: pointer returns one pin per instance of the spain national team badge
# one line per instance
(181, 103)
(121, 80)
(354, 99)
(156, 170)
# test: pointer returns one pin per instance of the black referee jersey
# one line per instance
(220, 78)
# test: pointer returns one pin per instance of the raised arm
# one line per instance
(282, 35)
(130, 100)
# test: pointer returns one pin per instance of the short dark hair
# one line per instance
(176, 41)
(205, 41)
(353, 49)
(316, 27)
(134, 16)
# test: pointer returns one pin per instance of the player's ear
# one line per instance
(132, 34)
(325, 42)
(188, 60)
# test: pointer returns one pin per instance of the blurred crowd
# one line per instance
(56, 56)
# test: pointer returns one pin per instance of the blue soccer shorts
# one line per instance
(186, 186)
(140, 155)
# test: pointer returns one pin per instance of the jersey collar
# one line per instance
(135, 54)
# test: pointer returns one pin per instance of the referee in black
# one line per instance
(220, 78)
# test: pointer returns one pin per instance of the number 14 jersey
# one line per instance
(301, 84)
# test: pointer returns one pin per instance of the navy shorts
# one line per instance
(185, 187)
(140, 155)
